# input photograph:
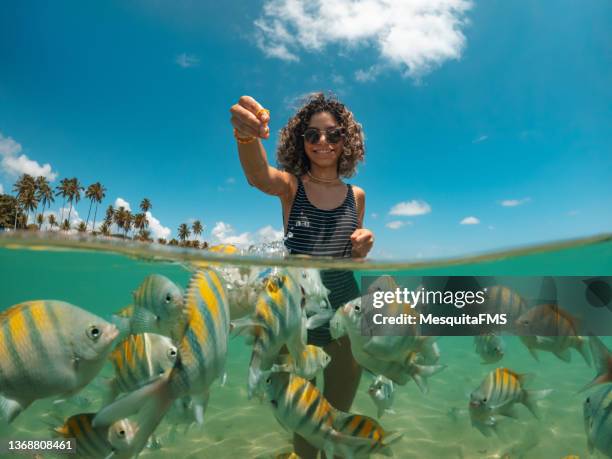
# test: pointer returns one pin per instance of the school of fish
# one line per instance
(169, 346)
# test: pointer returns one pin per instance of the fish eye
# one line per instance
(484, 400)
(588, 400)
(172, 353)
(357, 308)
(168, 297)
(158, 318)
(269, 381)
(93, 332)
(304, 275)
(122, 432)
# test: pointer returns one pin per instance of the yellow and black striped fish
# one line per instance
(498, 393)
(278, 320)
(549, 327)
(360, 426)
(140, 358)
(312, 360)
(300, 407)
(158, 307)
(114, 441)
(48, 348)
(201, 360)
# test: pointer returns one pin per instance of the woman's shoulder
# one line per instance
(358, 192)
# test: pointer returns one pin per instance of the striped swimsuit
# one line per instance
(317, 232)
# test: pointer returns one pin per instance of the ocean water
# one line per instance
(100, 276)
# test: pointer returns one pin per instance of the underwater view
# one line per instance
(58, 281)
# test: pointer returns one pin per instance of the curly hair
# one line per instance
(290, 154)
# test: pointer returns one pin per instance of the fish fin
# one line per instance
(602, 357)
(123, 324)
(143, 321)
(255, 375)
(10, 409)
(377, 349)
(150, 416)
(564, 354)
(509, 411)
(199, 408)
(581, 346)
(533, 353)
(318, 320)
(110, 455)
(131, 403)
(245, 326)
(531, 396)
(380, 412)
(284, 368)
(392, 437)
(422, 373)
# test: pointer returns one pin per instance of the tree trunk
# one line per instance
(88, 212)
(93, 227)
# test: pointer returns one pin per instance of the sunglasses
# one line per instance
(332, 135)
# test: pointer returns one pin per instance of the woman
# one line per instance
(322, 215)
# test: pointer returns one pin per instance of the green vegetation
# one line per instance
(28, 210)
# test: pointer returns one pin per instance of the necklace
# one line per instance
(316, 179)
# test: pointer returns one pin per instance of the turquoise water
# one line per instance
(101, 281)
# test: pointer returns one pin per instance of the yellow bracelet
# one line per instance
(244, 140)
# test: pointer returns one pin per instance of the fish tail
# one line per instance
(10, 409)
(530, 397)
(602, 356)
(255, 373)
(157, 393)
(420, 373)
(580, 344)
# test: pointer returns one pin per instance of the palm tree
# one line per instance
(74, 193)
(44, 192)
(197, 228)
(25, 190)
(66, 225)
(63, 191)
(161, 240)
(105, 228)
(183, 232)
(95, 193)
(82, 227)
(145, 235)
(141, 222)
(128, 222)
(109, 217)
(119, 217)
(52, 220)
(145, 205)
(40, 219)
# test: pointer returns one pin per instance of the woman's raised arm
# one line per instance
(250, 121)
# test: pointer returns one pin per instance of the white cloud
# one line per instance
(470, 221)
(415, 36)
(573, 213)
(396, 224)
(156, 228)
(15, 164)
(338, 79)
(1, 189)
(224, 233)
(187, 60)
(269, 234)
(120, 202)
(482, 138)
(230, 180)
(514, 202)
(374, 215)
(491, 227)
(410, 208)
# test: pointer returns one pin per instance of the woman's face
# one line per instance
(323, 153)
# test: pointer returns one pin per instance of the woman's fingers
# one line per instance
(243, 128)
(255, 108)
(245, 112)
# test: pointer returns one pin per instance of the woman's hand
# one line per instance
(363, 240)
(250, 118)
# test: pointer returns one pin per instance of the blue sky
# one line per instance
(491, 113)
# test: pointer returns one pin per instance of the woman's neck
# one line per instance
(323, 174)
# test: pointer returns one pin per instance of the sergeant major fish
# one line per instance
(597, 411)
(497, 394)
(490, 347)
(201, 360)
(278, 320)
(114, 441)
(382, 393)
(550, 328)
(158, 307)
(49, 348)
(311, 361)
(138, 359)
(360, 426)
(301, 408)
